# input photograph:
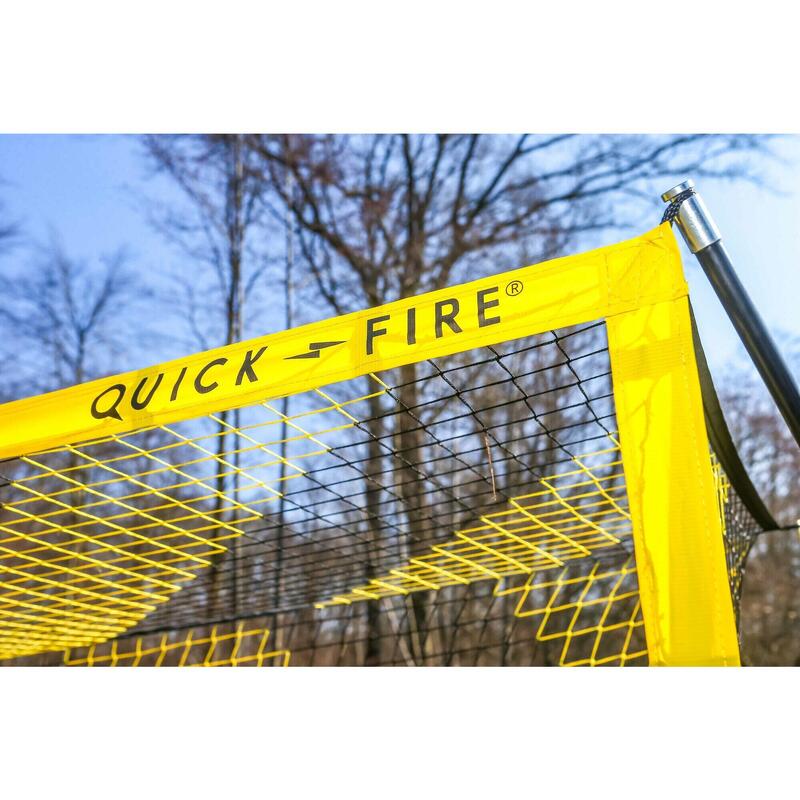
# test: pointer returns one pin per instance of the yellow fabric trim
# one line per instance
(677, 529)
(555, 294)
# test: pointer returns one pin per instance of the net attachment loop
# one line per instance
(671, 211)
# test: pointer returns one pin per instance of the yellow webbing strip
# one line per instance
(677, 530)
(566, 291)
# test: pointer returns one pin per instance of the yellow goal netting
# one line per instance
(512, 471)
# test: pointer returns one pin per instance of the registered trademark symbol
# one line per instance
(513, 288)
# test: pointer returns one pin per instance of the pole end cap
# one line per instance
(672, 193)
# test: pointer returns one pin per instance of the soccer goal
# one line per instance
(527, 469)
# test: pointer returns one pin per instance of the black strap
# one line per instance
(722, 443)
(671, 211)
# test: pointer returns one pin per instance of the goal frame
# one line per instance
(636, 287)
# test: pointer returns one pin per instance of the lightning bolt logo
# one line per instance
(314, 350)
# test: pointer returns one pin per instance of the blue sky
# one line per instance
(85, 188)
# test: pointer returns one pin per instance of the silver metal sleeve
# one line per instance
(694, 220)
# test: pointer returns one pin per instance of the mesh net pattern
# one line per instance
(97, 536)
(573, 516)
(564, 617)
(465, 510)
(242, 646)
(740, 530)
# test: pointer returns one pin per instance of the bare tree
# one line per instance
(216, 225)
(9, 232)
(762, 437)
(65, 321)
(383, 217)
(9, 236)
(65, 315)
(770, 604)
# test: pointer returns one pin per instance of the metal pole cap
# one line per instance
(672, 193)
(693, 220)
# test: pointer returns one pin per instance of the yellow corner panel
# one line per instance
(673, 500)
